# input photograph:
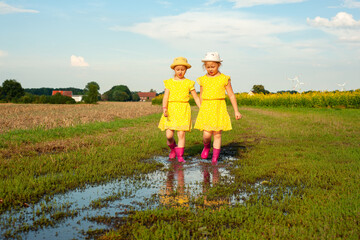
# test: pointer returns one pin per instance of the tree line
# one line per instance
(12, 91)
(48, 91)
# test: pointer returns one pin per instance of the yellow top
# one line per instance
(179, 89)
(213, 87)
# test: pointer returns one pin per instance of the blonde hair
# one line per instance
(180, 65)
(203, 66)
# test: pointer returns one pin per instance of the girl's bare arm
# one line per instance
(233, 100)
(165, 101)
(196, 97)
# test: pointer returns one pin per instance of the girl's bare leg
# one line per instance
(181, 139)
(207, 137)
(170, 136)
(217, 140)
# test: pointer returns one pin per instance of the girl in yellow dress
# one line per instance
(213, 117)
(176, 108)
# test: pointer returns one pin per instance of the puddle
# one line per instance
(71, 215)
(79, 206)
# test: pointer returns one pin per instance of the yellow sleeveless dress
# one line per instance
(213, 114)
(179, 111)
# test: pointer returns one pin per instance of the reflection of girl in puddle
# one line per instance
(215, 172)
(207, 171)
(178, 197)
(173, 194)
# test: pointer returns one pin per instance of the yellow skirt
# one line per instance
(179, 117)
(213, 116)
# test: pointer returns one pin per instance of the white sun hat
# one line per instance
(212, 57)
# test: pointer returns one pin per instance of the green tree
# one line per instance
(259, 89)
(91, 92)
(120, 96)
(11, 90)
(43, 99)
(27, 98)
(114, 94)
(61, 99)
(135, 97)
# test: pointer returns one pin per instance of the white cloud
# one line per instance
(78, 61)
(204, 27)
(343, 25)
(7, 9)
(351, 4)
(250, 3)
(342, 19)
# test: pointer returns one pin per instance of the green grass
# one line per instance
(313, 152)
(111, 151)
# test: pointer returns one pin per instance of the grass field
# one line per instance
(308, 158)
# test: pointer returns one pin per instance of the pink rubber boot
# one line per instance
(215, 156)
(172, 150)
(205, 151)
(179, 154)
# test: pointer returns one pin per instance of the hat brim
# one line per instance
(207, 60)
(180, 64)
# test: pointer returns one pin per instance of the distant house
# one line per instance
(77, 98)
(64, 93)
(251, 93)
(146, 96)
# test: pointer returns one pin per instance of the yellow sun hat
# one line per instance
(180, 61)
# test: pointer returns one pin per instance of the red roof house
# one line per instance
(65, 93)
(146, 96)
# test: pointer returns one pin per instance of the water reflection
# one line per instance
(174, 192)
(214, 170)
(211, 176)
(192, 181)
(196, 184)
(192, 184)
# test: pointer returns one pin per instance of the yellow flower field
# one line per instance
(348, 99)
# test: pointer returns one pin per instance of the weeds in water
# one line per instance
(44, 216)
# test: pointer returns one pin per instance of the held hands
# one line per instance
(238, 115)
(165, 112)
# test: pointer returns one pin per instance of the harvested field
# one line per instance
(28, 116)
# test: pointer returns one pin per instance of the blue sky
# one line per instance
(269, 42)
